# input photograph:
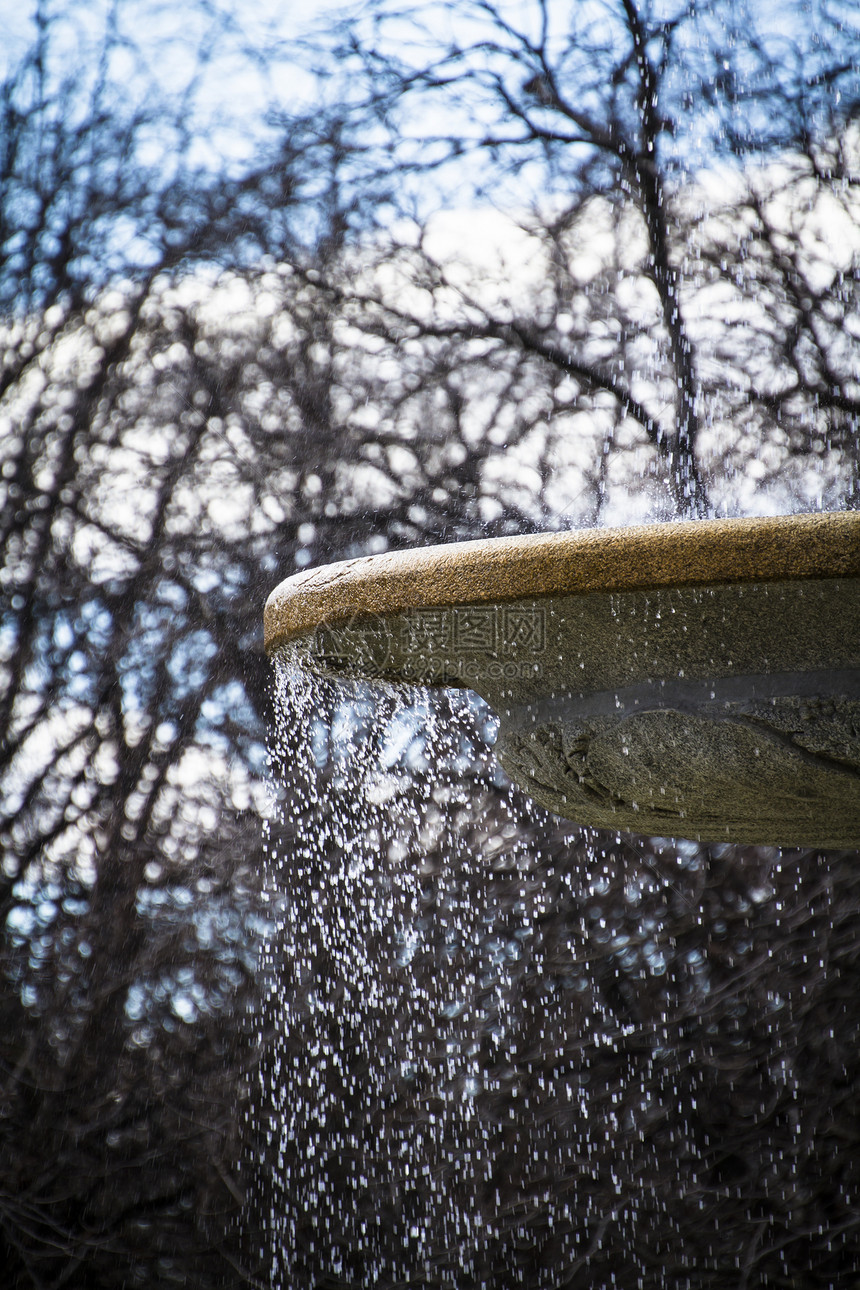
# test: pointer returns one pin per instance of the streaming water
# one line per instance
(510, 1052)
(387, 931)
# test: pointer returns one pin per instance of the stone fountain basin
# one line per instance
(699, 679)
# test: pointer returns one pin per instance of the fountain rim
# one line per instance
(685, 553)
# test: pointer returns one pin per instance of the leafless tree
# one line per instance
(688, 176)
(131, 751)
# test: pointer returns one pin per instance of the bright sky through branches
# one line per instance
(233, 60)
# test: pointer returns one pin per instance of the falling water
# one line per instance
(512, 1052)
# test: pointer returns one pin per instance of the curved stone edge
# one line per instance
(635, 558)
